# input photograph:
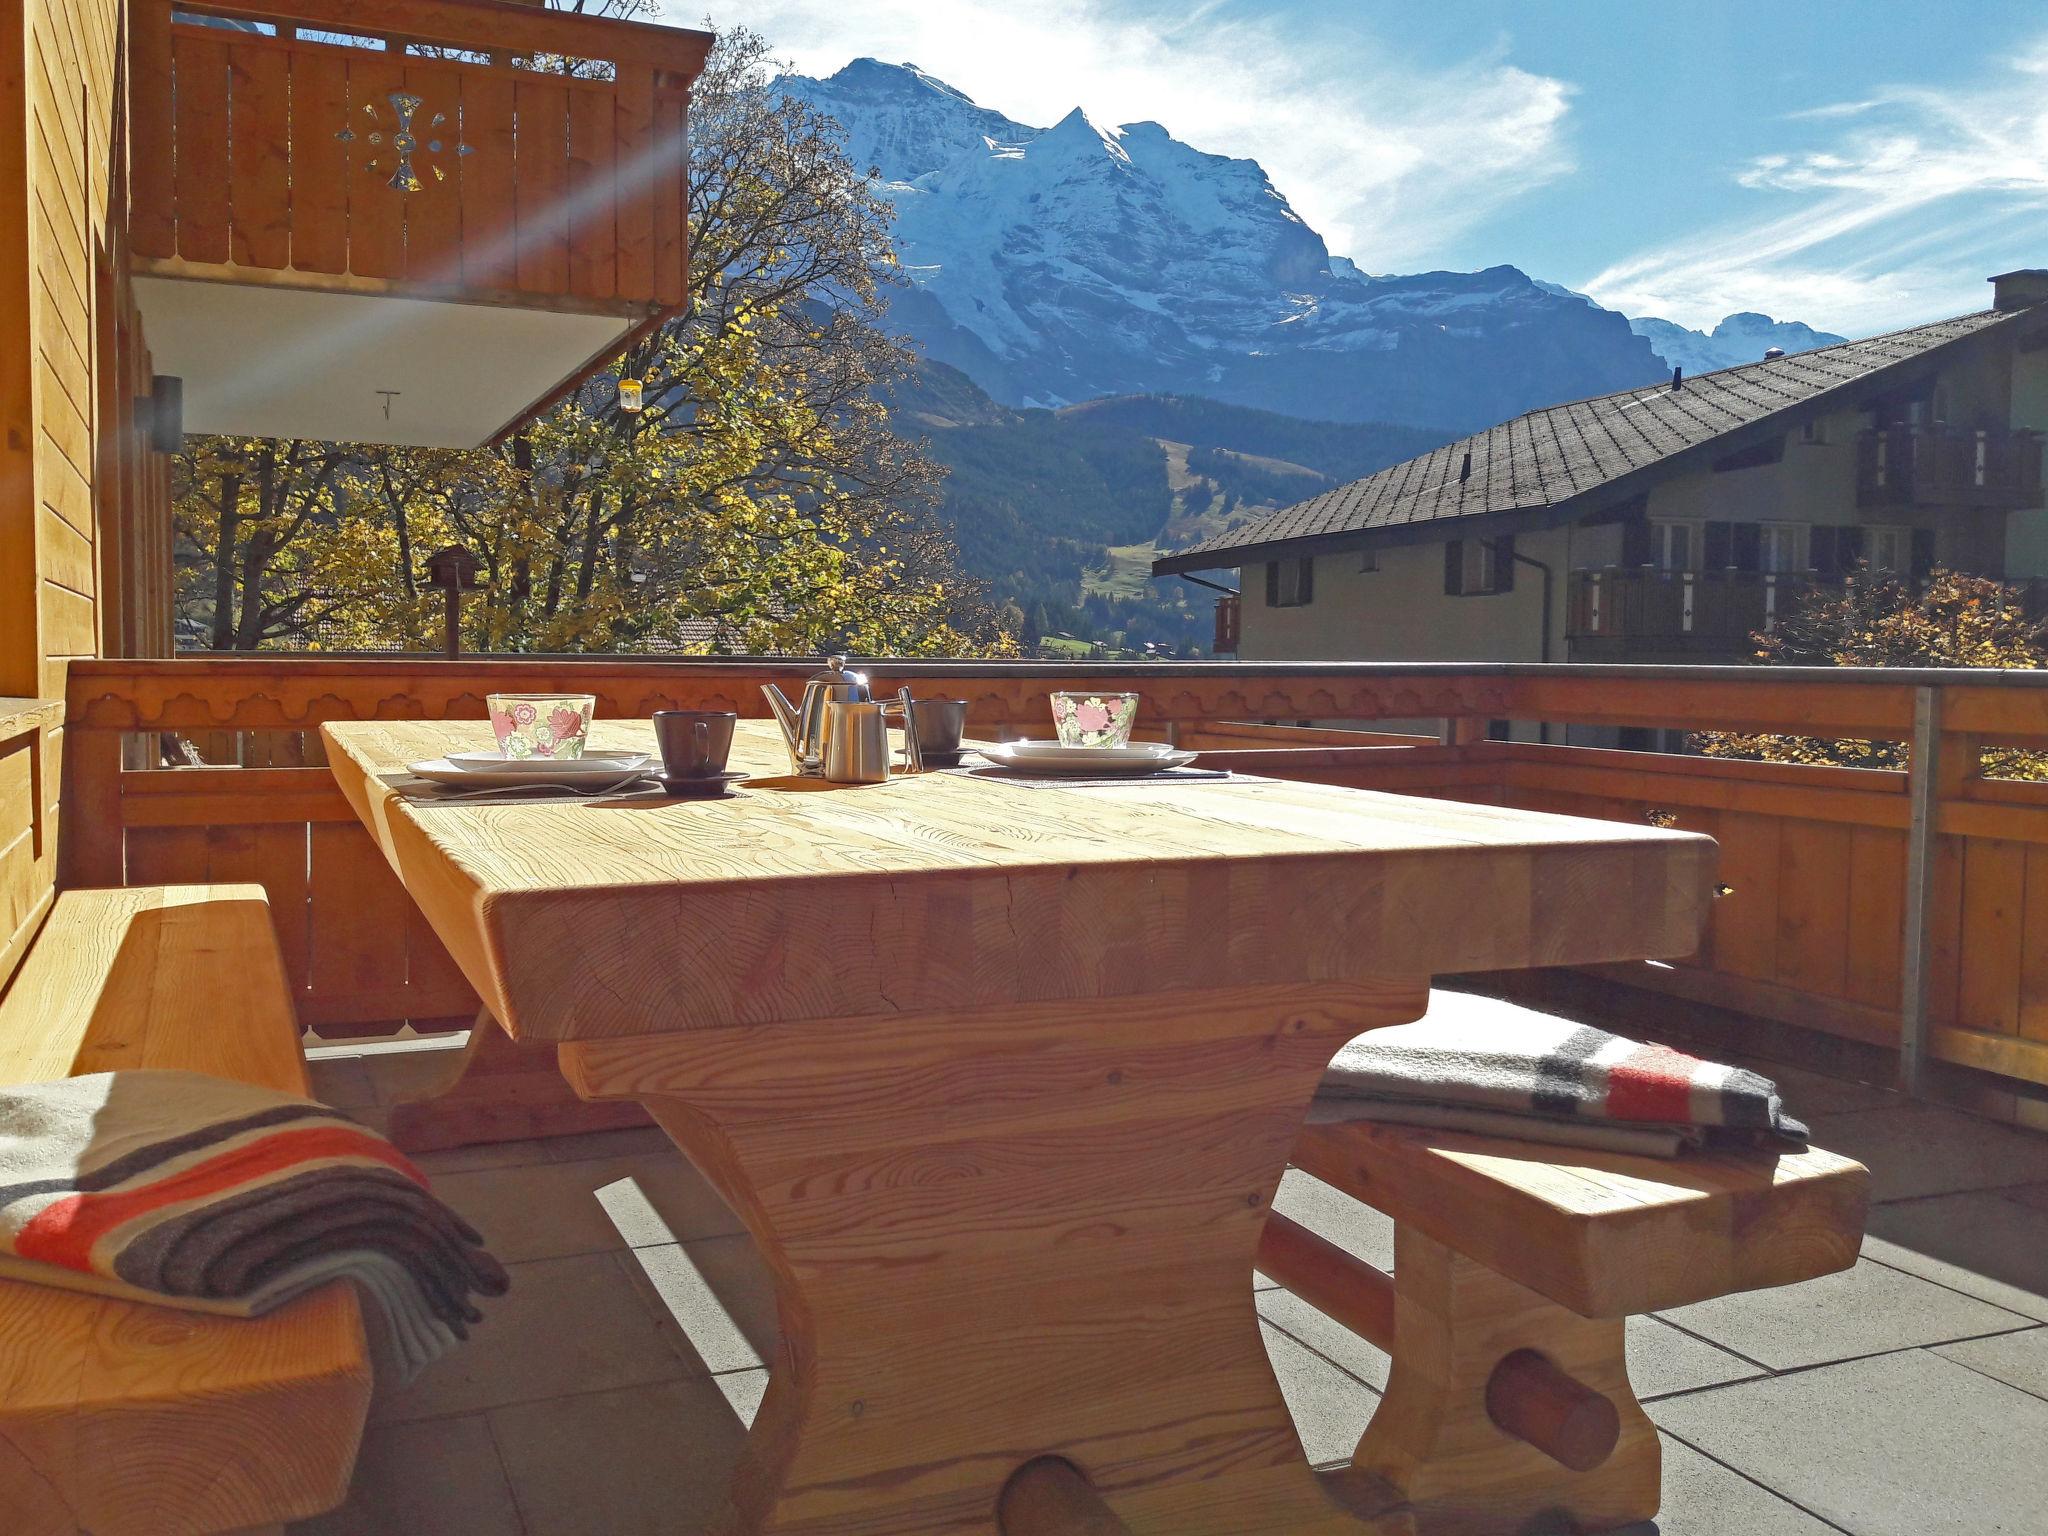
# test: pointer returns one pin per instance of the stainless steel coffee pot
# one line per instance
(803, 723)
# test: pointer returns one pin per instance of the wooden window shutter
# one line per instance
(1454, 568)
(1504, 563)
(1717, 546)
(1636, 548)
(1272, 583)
(1923, 551)
(1747, 547)
(1307, 592)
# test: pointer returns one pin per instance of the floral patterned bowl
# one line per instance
(1094, 719)
(542, 724)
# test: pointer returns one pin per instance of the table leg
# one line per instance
(496, 1089)
(1007, 1235)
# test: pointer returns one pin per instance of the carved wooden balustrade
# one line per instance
(406, 145)
(1908, 911)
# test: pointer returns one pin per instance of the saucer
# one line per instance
(699, 789)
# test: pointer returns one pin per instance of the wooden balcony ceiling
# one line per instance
(361, 368)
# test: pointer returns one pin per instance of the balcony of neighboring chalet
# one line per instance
(1929, 467)
(404, 221)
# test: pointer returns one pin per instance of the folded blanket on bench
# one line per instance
(217, 1196)
(1503, 1070)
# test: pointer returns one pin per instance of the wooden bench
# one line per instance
(119, 1419)
(1516, 1265)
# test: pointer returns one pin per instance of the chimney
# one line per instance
(1772, 354)
(2019, 290)
(1678, 378)
(1465, 469)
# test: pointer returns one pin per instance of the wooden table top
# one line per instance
(796, 899)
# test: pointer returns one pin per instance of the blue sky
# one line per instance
(1854, 165)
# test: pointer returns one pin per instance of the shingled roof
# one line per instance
(1561, 463)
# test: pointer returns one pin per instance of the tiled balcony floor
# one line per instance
(606, 1395)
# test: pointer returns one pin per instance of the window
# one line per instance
(1368, 562)
(1902, 551)
(1663, 544)
(1291, 583)
(1835, 551)
(1673, 546)
(1814, 433)
(1781, 547)
(1479, 567)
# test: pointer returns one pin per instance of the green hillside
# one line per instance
(1062, 512)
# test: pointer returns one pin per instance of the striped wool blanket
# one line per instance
(1493, 1067)
(197, 1192)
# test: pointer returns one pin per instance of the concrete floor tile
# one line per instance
(549, 1210)
(643, 1461)
(1862, 1311)
(744, 1391)
(1987, 1245)
(1704, 1498)
(659, 1197)
(718, 1292)
(490, 1154)
(634, 1142)
(1332, 1340)
(442, 1477)
(1331, 1408)
(1662, 1360)
(2017, 1359)
(1330, 1213)
(1922, 1149)
(568, 1325)
(1807, 1093)
(1901, 1445)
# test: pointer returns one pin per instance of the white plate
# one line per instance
(1128, 765)
(581, 774)
(595, 763)
(1137, 751)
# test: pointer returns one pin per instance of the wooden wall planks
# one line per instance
(528, 182)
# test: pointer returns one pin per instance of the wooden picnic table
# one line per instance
(1002, 1076)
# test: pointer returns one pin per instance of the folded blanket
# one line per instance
(216, 1196)
(1476, 1064)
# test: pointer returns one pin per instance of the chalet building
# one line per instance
(1668, 524)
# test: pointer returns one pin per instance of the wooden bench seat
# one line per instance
(1605, 1234)
(117, 1418)
(1516, 1265)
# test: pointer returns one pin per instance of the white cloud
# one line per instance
(1899, 218)
(1388, 159)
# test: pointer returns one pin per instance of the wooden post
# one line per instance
(1923, 786)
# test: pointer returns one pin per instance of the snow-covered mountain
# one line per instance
(1742, 338)
(1061, 264)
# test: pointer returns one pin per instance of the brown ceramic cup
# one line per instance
(695, 743)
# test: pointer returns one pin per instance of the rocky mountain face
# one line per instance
(1742, 338)
(1057, 265)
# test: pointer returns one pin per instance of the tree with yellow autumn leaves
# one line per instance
(757, 500)
(1875, 619)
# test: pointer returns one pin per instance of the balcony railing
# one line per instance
(1619, 609)
(1821, 862)
(1916, 467)
(411, 145)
